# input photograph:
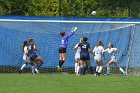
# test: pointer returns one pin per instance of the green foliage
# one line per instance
(71, 8)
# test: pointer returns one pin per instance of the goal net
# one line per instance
(123, 35)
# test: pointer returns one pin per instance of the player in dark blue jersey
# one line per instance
(33, 56)
(63, 47)
(84, 55)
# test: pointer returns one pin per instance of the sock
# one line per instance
(39, 65)
(81, 70)
(23, 66)
(61, 63)
(77, 72)
(121, 70)
(33, 69)
(75, 67)
(100, 69)
(91, 69)
(108, 70)
(97, 68)
(84, 69)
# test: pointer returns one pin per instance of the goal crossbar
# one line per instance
(67, 21)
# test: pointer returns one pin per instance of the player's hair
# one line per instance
(85, 39)
(111, 45)
(81, 39)
(99, 43)
(24, 44)
(62, 33)
(30, 40)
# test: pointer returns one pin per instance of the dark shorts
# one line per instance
(62, 50)
(84, 56)
(32, 58)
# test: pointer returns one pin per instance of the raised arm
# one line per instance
(72, 32)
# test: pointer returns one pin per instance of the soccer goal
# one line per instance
(46, 33)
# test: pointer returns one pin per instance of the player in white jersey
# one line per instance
(77, 57)
(26, 58)
(98, 52)
(113, 53)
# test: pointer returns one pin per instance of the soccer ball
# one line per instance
(93, 13)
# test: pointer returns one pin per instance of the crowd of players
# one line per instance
(82, 55)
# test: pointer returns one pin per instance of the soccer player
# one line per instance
(84, 55)
(33, 56)
(77, 57)
(63, 47)
(98, 52)
(113, 52)
(26, 57)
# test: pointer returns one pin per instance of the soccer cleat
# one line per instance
(36, 70)
(106, 74)
(97, 74)
(19, 71)
(33, 73)
(59, 68)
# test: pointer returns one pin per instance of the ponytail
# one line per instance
(24, 44)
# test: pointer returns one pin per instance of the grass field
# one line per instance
(63, 83)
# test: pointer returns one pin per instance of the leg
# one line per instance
(117, 65)
(100, 67)
(33, 66)
(23, 66)
(75, 67)
(64, 56)
(89, 66)
(60, 62)
(78, 67)
(81, 67)
(62, 59)
(40, 60)
(108, 67)
(85, 68)
(97, 67)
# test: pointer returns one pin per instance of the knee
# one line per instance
(64, 59)
(108, 65)
(43, 60)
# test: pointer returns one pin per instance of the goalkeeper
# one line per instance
(63, 47)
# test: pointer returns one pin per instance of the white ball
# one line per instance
(93, 13)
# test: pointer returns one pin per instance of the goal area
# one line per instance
(46, 34)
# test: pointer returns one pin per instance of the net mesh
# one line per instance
(47, 38)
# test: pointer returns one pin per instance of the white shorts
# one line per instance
(114, 59)
(77, 57)
(26, 59)
(97, 58)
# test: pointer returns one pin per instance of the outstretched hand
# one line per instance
(74, 29)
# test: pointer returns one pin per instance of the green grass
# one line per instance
(62, 83)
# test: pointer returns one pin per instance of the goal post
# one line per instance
(123, 35)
